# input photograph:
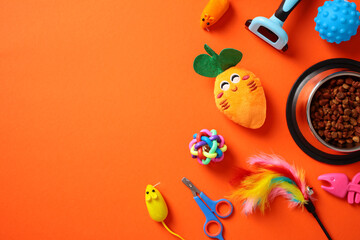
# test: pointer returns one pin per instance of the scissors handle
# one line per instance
(216, 205)
(211, 219)
(218, 233)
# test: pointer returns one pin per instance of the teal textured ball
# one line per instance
(337, 21)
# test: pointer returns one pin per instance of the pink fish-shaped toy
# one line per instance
(339, 185)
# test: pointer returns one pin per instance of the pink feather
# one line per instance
(276, 192)
(249, 206)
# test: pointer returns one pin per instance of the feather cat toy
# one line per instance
(238, 92)
(271, 177)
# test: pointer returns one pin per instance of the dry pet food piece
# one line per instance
(335, 112)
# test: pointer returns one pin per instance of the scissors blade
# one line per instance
(190, 185)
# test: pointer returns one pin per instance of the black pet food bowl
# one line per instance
(298, 111)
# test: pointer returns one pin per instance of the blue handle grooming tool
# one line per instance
(270, 30)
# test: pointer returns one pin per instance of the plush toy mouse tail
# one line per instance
(169, 230)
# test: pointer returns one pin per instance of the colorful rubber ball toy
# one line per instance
(337, 21)
(207, 146)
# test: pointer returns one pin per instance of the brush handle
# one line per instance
(285, 9)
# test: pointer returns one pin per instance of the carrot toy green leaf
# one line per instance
(212, 65)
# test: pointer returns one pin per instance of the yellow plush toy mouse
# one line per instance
(157, 207)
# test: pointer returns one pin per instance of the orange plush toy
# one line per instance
(238, 92)
(213, 11)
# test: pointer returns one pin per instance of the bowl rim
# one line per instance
(308, 106)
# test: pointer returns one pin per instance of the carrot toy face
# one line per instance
(238, 92)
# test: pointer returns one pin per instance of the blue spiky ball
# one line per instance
(337, 21)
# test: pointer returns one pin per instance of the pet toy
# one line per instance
(270, 177)
(340, 186)
(157, 207)
(213, 11)
(207, 146)
(270, 30)
(238, 92)
(337, 21)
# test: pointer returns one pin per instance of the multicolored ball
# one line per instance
(207, 146)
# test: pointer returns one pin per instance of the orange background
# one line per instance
(99, 99)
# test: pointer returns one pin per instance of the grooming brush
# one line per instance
(270, 29)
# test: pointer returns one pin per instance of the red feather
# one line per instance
(240, 174)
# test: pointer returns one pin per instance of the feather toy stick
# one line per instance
(271, 177)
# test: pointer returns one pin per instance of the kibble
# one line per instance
(347, 112)
(335, 112)
(340, 95)
(345, 86)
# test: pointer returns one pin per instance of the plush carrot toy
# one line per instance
(238, 92)
(213, 11)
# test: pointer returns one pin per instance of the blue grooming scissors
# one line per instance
(210, 209)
